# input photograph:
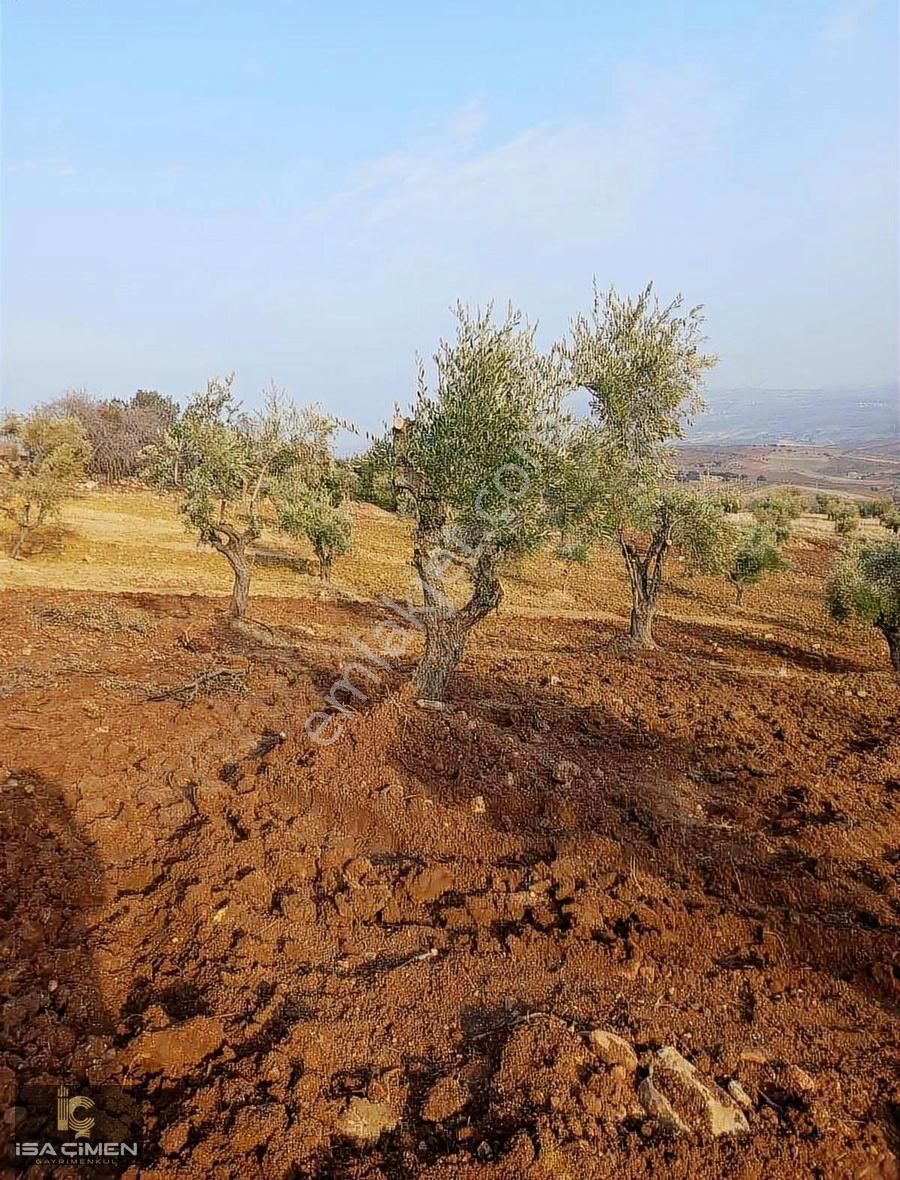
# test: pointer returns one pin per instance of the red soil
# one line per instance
(284, 949)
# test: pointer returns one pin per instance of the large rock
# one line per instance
(682, 1101)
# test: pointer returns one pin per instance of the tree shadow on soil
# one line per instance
(50, 991)
(683, 638)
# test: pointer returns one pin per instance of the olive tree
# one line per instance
(845, 515)
(757, 555)
(577, 493)
(237, 469)
(642, 363)
(865, 586)
(311, 507)
(42, 458)
(890, 518)
(374, 471)
(472, 463)
(778, 511)
(657, 523)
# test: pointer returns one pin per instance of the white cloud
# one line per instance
(581, 181)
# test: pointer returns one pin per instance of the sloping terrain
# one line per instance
(384, 958)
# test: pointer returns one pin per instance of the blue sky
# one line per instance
(300, 191)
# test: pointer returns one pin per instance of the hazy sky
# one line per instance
(299, 191)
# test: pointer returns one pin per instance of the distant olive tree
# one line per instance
(42, 457)
(240, 469)
(756, 555)
(642, 363)
(374, 471)
(821, 502)
(654, 527)
(890, 518)
(472, 463)
(729, 501)
(310, 505)
(845, 515)
(873, 509)
(577, 493)
(778, 511)
(865, 586)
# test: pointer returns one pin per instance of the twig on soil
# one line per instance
(211, 681)
(524, 1019)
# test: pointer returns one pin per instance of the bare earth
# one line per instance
(383, 959)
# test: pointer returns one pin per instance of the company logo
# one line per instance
(67, 1125)
(67, 1116)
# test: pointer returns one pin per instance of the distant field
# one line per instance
(861, 472)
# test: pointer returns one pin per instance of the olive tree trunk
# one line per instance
(447, 626)
(233, 547)
(326, 559)
(21, 536)
(891, 632)
(645, 574)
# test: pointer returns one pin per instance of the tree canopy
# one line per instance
(865, 587)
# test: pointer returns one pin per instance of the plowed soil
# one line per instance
(382, 959)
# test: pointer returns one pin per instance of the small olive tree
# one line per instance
(472, 463)
(652, 527)
(374, 471)
(890, 518)
(311, 508)
(845, 515)
(236, 470)
(778, 511)
(873, 509)
(642, 363)
(757, 555)
(42, 457)
(865, 586)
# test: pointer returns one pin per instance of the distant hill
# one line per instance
(821, 416)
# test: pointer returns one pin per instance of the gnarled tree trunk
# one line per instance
(326, 558)
(240, 591)
(447, 626)
(233, 547)
(645, 572)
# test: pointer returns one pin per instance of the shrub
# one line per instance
(119, 432)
